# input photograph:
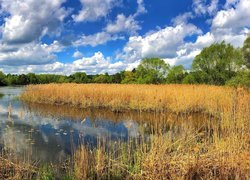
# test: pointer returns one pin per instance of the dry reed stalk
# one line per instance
(175, 98)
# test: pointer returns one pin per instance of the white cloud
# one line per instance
(183, 18)
(141, 8)
(96, 39)
(230, 25)
(31, 53)
(92, 10)
(201, 7)
(96, 64)
(24, 24)
(234, 17)
(30, 20)
(77, 54)
(123, 24)
(112, 31)
(161, 43)
(184, 59)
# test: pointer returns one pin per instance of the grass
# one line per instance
(218, 150)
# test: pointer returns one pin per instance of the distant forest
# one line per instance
(218, 64)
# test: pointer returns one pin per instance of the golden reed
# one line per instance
(174, 98)
(217, 151)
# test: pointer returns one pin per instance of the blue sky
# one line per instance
(98, 36)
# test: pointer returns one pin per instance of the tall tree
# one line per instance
(246, 52)
(2, 79)
(176, 74)
(219, 62)
(80, 77)
(152, 71)
(103, 78)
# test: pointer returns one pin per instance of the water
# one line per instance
(49, 134)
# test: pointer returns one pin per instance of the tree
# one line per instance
(220, 62)
(246, 52)
(11, 80)
(80, 77)
(103, 78)
(117, 77)
(129, 78)
(241, 79)
(196, 77)
(2, 79)
(176, 74)
(22, 80)
(32, 79)
(152, 71)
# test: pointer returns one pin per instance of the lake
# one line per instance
(50, 134)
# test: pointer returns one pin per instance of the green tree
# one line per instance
(129, 78)
(152, 71)
(63, 79)
(80, 77)
(103, 78)
(12, 80)
(176, 74)
(117, 77)
(196, 77)
(22, 79)
(32, 78)
(2, 79)
(220, 62)
(246, 52)
(241, 79)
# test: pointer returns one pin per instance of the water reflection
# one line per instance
(47, 133)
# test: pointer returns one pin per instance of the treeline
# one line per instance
(218, 64)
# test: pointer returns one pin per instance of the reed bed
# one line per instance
(219, 150)
(158, 98)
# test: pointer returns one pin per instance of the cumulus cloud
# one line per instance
(96, 64)
(161, 43)
(30, 20)
(123, 24)
(23, 26)
(182, 18)
(234, 17)
(92, 10)
(202, 7)
(141, 8)
(77, 54)
(230, 25)
(27, 54)
(96, 39)
(112, 31)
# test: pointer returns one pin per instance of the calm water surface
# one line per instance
(45, 133)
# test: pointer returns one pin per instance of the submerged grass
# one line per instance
(218, 151)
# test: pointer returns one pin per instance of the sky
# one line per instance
(99, 36)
